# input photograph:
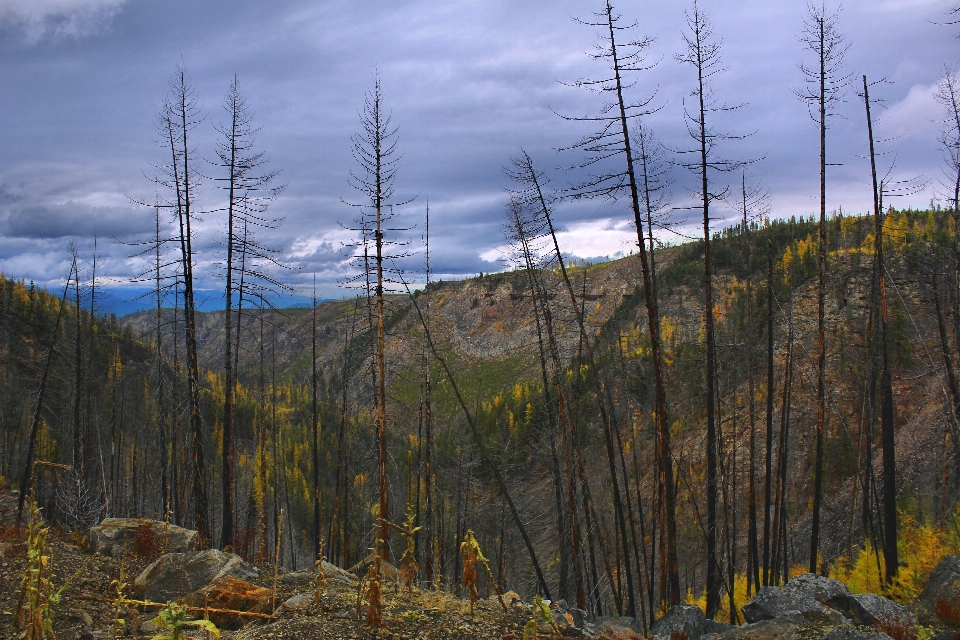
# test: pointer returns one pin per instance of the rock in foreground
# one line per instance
(939, 603)
(179, 574)
(227, 592)
(117, 536)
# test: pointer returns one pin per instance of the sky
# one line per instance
(468, 83)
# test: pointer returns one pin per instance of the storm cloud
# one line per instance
(468, 83)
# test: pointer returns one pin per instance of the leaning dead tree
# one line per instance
(611, 142)
(26, 479)
(525, 230)
(481, 449)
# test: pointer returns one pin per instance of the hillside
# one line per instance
(488, 331)
(485, 328)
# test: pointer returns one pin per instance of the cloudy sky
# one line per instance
(468, 82)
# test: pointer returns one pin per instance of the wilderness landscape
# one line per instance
(745, 425)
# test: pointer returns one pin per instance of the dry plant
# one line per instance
(37, 597)
(321, 576)
(470, 552)
(119, 586)
(409, 567)
(540, 615)
(897, 627)
(144, 542)
(173, 618)
(374, 598)
(276, 561)
(374, 592)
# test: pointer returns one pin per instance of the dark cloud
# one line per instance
(468, 84)
(72, 219)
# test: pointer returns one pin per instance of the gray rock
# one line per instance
(177, 574)
(567, 618)
(868, 609)
(687, 619)
(939, 603)
(821, 589)
(609, 625)
(80, 616)
(336, 573)
(775, 602)
(296, 577)
(299, 601)
(149, 628)
(849, 633)
(115, 536)
(786, 627)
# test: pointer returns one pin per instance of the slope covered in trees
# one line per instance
(485, 329)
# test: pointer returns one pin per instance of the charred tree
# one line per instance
(178, 116)
(886, 391)
(703, 55)
(825, 83)
(612, 140)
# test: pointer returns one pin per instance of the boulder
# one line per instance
(177, 574)
(939, 603)
(613, 628)
(116, 536)
(849, 633)
(775, 602)
(616, 632)
(687, 620)
(228, 592)
(868, 609)
(567, 618)
(785, 628)
(820, 588)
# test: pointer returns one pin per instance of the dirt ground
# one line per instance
(86, 611)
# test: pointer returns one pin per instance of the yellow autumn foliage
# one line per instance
(920, 549)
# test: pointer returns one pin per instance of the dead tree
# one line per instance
(178, 116)
(612, 141)
(703, 54)
(375, 151)
(947, 96)
(754, 203)
(768, 496)
(886, 390)
(248, 192)
(825, 82)
(524, 230)
(26, 479)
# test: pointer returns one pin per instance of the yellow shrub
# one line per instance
(920, 549)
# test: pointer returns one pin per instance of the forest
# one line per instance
(688, 423)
